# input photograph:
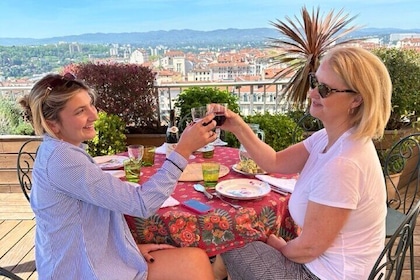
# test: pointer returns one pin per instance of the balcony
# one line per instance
(254, 96)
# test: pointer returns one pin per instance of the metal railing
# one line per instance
(253, 96)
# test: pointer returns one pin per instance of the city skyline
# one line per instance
(49, 18)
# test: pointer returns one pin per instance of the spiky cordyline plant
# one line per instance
(304, 44)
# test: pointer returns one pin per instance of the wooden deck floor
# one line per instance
(17, 231)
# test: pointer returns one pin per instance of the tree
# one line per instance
(302, 45)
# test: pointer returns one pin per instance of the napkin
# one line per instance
(170, 201)
(287, 185)
(161, 149)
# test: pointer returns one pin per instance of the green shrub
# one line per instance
(110, 136)
(125, 90)
(404, 69)
(11, 118)
(278, 128)
(200, 96)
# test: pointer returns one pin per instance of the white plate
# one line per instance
(110, 162)
(235, 168)
(243, 189)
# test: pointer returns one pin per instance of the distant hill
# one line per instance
(183, 37)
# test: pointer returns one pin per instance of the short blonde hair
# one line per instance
(48, 97)
(367, 75)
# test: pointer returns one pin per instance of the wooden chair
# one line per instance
(25, 161)
(8, 274)
(305, 126)
(403, 158)
(390, 262)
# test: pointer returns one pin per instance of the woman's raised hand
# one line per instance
(196, 136)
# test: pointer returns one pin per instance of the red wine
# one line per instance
(220, 118)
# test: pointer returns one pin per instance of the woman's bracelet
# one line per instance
(182, 170)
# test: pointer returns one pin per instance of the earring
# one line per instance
(350, 111)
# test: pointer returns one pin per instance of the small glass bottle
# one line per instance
(172, 135)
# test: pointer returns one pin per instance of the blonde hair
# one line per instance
(367, 75)
(48, 97)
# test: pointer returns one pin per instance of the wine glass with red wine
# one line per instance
(219, 110)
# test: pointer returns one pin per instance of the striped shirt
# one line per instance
(81, 232)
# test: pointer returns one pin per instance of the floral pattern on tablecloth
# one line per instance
(222, 229)
(217, 227)
(215, 231)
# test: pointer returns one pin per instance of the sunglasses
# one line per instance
(67, 80)
(323, 89)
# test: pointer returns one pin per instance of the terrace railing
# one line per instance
(254, 96)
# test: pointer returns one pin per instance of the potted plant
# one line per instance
(12, 119)
(399, 162)
(404, 69)
(392, 172)
(303, 43)
(110, 136)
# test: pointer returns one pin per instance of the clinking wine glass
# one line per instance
(219, 111)
(218, 141)
(198, 113)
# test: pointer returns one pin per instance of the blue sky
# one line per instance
(49, 18)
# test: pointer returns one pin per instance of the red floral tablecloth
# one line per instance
(220, 230)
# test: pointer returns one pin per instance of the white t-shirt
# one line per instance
(348, 176)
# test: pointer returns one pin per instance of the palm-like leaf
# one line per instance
(303, 44)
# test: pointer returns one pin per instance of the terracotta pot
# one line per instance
(392, 183)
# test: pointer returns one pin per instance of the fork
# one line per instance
(236, 206)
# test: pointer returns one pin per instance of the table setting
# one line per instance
(243, 208)
(222, 200)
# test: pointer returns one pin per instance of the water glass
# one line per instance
(132, 169)
(135, 152)
(149, 155)
(210, 174)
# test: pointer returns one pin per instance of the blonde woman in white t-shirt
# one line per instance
(339, 198)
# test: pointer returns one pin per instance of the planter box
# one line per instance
(9, 148)
(146, 139)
